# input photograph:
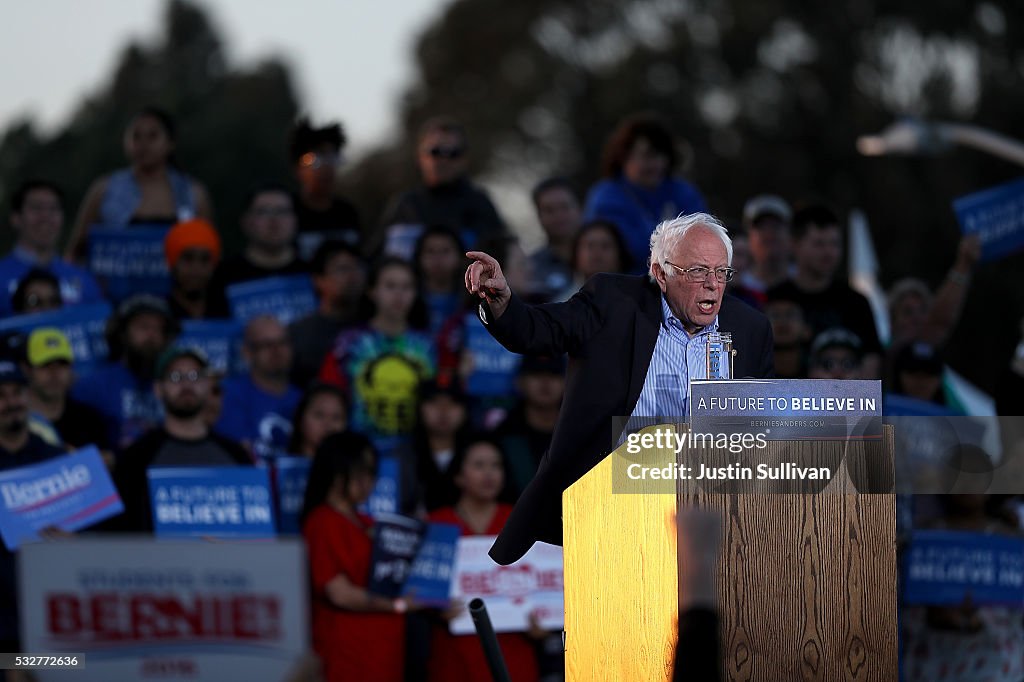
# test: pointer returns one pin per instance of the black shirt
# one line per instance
(216, 306)
(312, 338)
(239, 269)
(836, 306)
(524, 447)
(159, 448)
(460, 205)
(82, 425)
(340, 221)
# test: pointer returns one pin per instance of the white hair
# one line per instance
(668, 233)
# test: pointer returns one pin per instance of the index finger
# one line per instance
(481, 256)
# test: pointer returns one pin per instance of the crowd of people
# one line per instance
(393, 363)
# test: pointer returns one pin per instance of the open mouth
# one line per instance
(706, 306)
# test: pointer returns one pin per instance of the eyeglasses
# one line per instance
(192, 376)
(446, 152)
(699, 273)
(316, 161)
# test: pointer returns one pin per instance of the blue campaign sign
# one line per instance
(996, 215)
(286, 298)
(291, 474)
(220, 340)
(385, 495)
(84, 325)
(943, 568)
(211, 501)
(494, 369)
(788, 409)
(396, 540)
(430, 577)
(70, 492)
(129, 261)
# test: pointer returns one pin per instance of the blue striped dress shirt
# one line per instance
(677, 359)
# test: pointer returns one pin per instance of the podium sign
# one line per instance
(788, 409)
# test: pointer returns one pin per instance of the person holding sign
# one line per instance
(18, 447)
(478, 472)
(49, 368)
(965, 641)
(183, 440)
(357, 634)
(37, 216)
(634, 344)
(151, 190)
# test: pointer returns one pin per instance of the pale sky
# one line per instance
(350, 58)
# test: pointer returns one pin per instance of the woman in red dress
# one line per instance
(358, 635)
(479, 474)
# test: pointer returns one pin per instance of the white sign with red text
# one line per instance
(510, 593)
(143, 609)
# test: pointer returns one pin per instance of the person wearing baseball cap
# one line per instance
(917, 373)
(49, 369)
(766, 220)
(193, 250)
(183, 439)
(122, 389)
(836, 353)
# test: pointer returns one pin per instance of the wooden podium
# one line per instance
(806, 582)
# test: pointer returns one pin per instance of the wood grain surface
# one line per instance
(621, 588)
(807, 582)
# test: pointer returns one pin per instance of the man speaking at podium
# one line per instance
(634, 343)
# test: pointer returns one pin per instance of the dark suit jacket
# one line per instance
(609, 330)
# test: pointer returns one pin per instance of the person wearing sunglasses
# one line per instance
(316, 155)
(446, 195)
(634, 344)
(183, 385)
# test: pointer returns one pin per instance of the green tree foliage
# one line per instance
(769, 95)
(232, 125)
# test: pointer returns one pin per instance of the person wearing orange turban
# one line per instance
(193, 250)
